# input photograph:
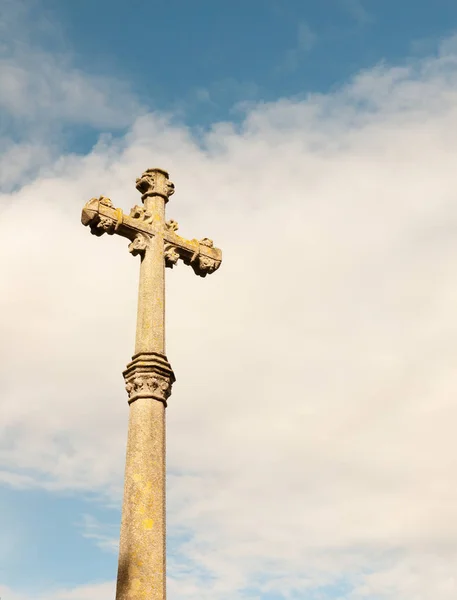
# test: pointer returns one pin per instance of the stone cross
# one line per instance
(149, 377)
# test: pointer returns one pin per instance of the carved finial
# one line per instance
(155, 182)
(139, 245)
(171, 255)
(172, 225)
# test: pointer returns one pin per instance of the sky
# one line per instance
(311, 442)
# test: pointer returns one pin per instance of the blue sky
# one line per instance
(202, 61)
(314, 141)
(179, 54)
(48, 534)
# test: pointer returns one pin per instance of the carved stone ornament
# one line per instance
(101, 225)
(139, 212)
(97, 222)
(147, 385)
(139, 245)
(171, 255)
(171, 225)
(202, 264)
(149, 375)
(207, 265)
(155, 182)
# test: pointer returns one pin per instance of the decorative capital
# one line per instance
(149, 385)
(149, 375)
(155, 182)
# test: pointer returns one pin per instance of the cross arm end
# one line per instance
(201, 255)
(102, 217)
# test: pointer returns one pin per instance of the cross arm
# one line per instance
(201, 255)
(102, 217)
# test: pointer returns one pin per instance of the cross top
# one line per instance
(148, 221)
(155, 182)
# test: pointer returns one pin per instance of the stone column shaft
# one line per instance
(150, 329)
(142, 552)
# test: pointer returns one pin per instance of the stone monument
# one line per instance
(148, 377)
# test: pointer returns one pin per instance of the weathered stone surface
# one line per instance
(141, 572)
(149, 377)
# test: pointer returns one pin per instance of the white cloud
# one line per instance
(38, 85)
(311, 435)
(97, 591)
(101, 591)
